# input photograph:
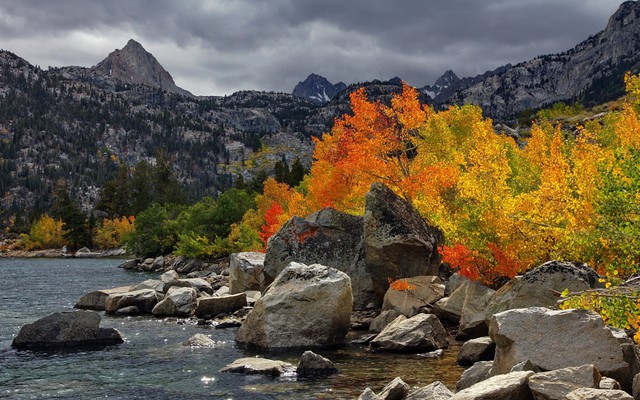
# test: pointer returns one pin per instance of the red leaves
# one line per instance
(271, 223)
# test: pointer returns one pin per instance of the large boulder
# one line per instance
(381, 321)
(536, 288)
(420, 333)
(96, 300)
(553, 339)
(327, 237)
(511, 386)
(398, 243)
(66, 329)
(155, 284)
(178, 302)
(144, 299)
(557, 384)
(199, 284)
(211, 306)
(423, 291)
(245, 272)
(306, 306)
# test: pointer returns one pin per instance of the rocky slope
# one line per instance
(592, 72)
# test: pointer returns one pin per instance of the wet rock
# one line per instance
(246, 272)
(96, 300)
(306, 306)
(131, 310)
(423, 332)
(397, 389)
(259, 366)
(199, 340)
(312, 364)
(66, 329)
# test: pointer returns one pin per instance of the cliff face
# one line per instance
(590, 70)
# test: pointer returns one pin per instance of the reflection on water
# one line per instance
(152, 363)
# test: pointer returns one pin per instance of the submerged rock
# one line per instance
(259, 366)
(66, 329)
(312, 364)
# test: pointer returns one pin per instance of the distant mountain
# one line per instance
(449, 83)
(590, 72)
(133, 65)
(318, 89)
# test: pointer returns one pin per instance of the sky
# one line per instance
(217, 47)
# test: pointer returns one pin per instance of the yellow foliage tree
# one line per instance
(45, 233)
(112, 232)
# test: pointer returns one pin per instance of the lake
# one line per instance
(152, 363)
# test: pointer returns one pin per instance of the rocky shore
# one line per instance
(321, 278)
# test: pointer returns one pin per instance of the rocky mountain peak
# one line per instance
(135, 66)
(318, 89)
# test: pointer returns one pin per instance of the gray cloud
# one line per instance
(220, 46)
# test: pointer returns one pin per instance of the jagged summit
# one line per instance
(591, 72)
(136, 66)
(318, 89)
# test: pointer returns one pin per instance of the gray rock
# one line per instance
(474, 350)
(169, 276)
(368, 394)
(466, 303)
(425, 290)
(526, 366)
(327, 237)
(246, 272)
(478, 372)
(158, 264)
(190, 266)
(306, 306)
(635, 389)
(130, 310)
(511, 386)
(397, 241)
(536, 287)
(381, 321)
(259, 366)
(397, 389)
(96, 300)
(312, 364)
(66, 329)
(154, 284)
(178, 302)
(423, 332)
(598, 394)
(199, 340)
(198, 284)
(609, 384)
(130, 264)
(144, 299)
(435, 391)
(212, 306)
(557, 384)
(556, 339)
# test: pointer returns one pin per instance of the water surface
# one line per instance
(152, 363)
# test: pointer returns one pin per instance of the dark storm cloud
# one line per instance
(216, 47)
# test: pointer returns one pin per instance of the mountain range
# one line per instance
(81, 123)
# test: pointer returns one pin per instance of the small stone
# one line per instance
(312, 364)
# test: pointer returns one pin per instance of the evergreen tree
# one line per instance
(74, 222)
(142, 192)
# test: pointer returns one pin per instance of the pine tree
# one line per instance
(74, 222)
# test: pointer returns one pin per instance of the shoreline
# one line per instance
(57, 253)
